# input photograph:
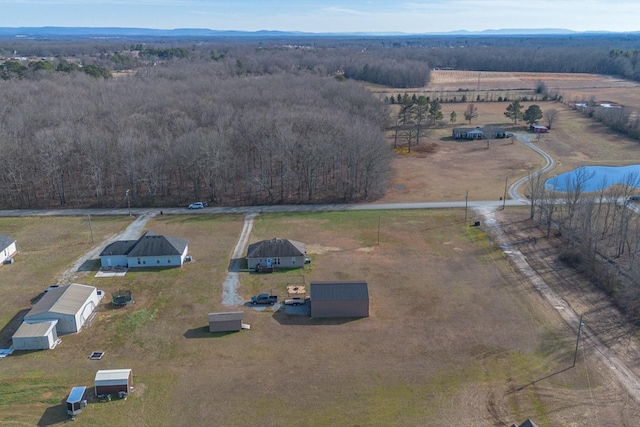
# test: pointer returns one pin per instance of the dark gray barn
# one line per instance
(225, 322)
(339, 299)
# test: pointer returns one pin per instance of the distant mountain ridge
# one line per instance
(115, 32)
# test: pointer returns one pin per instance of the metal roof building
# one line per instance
(7, 247)
(36, 336)
(225, 321)
(71, 305)
(339, 299)
(111, 381)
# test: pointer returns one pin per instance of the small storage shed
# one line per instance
(339, 299)
(71, 305)
(76, 401)
(36, 336)
(113, 381)
(226, 321)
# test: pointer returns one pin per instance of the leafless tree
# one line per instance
(550, 116)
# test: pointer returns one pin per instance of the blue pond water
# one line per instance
(599, 177)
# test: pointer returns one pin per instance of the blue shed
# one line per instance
(76, 401)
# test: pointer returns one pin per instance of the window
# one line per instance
(158, 261)
(293, 260)
(138, 261)
(168, 260)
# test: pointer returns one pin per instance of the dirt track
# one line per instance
(605, 333)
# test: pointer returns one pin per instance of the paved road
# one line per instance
(262, 209)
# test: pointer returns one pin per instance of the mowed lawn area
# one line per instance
(452, 330)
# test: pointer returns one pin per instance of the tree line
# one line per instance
(183, 132)
(600, 231)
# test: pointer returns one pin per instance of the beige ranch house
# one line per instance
(276, 253)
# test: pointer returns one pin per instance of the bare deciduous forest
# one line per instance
(184, 131)
(246, 121)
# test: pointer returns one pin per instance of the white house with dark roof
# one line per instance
(148, 251)
(279, 253)
(70, 305)
(7, 247)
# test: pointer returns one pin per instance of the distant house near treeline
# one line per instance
(479, 133)
(150, 250)
(538, 128)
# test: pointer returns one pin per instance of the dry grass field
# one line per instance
(452, 331)
(449, 168)
(456, 337)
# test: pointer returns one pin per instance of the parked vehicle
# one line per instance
(295, 301)
(634, 198)
(264, 299)
(307, 260)
(196, 205)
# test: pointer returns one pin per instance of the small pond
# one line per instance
(595, 178)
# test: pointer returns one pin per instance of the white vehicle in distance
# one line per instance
(197, 205)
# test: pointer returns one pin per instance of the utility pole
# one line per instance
(575, 355)
(128, 201)
(378, 229)
(90, 228)
(466, 199)
(504, 199)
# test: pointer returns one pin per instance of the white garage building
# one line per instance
(36, 336)
(71, 305)
(7, 247)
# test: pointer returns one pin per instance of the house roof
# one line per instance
(276, 248)
(479, 129)
(339, 291)
(68, 299)
(112, 376)
(528, 423)
(121, 247)
(40, 329)
(149, 244)
(5, 241)
(156, 245)
(225, 316)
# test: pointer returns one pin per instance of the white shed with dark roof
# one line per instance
(339, 299)
(230, 321)
(278, 253)
(71, 305)
(7, 247)
(36, 336)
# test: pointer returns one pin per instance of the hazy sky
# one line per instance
(417, 16)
